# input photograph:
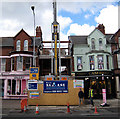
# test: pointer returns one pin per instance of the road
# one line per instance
(11, 109)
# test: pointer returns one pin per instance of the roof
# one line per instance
(78, 39)
(108, 38)
(6, 41)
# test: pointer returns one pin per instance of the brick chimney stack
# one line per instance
(101, 28)
(38, 31)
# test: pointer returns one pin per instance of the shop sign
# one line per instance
(34, 73)
(34, 95)
(32, 86)
(19, 77)
(55, 87)
(78, 83)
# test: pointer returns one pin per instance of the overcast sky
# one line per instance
(76, 17)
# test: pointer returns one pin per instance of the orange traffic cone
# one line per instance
(68, 108)
(37, 112)
(95, 110)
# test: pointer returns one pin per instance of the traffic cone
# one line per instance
(25, 108)
(95, 110)
(37, 112)
(68, 108)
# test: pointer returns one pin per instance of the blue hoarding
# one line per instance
(55, 87)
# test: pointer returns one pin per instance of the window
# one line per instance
(119, 41)
(13, 62)
(3, 64)
(107, 60)
(79, 63)
(19, 63)
(100, 44)
(92, 64)
(26, 45)
(93, 44)
(118, 58)
(27, 63)
(18, 45)
(100, 62)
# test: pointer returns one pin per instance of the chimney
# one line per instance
(101, 28)
(38, 31)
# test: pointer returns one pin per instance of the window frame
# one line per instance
(100, 45)
(12, 63)
(100, 63)
(18, 44)
(2, 64)
(93, 44)
(25, 45)
(107, 61)
(79, 65)
(19, 63)
(92, 62)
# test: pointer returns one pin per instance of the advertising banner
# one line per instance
(34, 95)
(55, 87)
(78, 83)
(104, 95)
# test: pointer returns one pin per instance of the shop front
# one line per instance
(98, 80)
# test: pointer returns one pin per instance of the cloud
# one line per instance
(77, 29)
(109, 17)
(64, 22)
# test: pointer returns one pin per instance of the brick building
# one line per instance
(116, 60)
(15, 59)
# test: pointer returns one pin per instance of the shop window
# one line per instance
(107, 60)
(100, 62)
(19, 63)
(2, 65)
(18, 45)
(9, 87)
(92, 64)
(26, 45)
(79, 63)
(27, 63)
(100, 44)
(93, 43)
(13, 63)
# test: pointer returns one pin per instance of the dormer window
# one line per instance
(18, 45)
(93, 43)
(26, 45)
(100, 44)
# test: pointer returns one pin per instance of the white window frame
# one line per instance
(12, 63)
(19, 63)
(25, 45)
(79, 64)
(102, 61)
(118, 60)
(18, 43)
(3, 64)
(92, 65)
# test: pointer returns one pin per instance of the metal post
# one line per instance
(34, 64)
(52, 58)
(59, 59)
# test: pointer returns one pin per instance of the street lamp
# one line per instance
(32, 7)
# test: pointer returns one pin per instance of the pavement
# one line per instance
(12, 108)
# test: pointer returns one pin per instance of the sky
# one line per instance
(76, 17)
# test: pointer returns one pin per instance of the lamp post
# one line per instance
(34, 64)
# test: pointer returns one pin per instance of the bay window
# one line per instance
(92, 63)
(79, 63)
(100, 62)
(19, 63)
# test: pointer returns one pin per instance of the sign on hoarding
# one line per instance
(32, 86)
(34, 73)
(55, 87)
(78, 83)
(34, 95)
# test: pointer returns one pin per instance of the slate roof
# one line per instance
(78, 39)
(6, 41)
(83, 39)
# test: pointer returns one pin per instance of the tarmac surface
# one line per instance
(12, 108)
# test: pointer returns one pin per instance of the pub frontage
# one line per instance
(97, 80)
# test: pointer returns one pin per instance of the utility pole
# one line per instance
(55, 37)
